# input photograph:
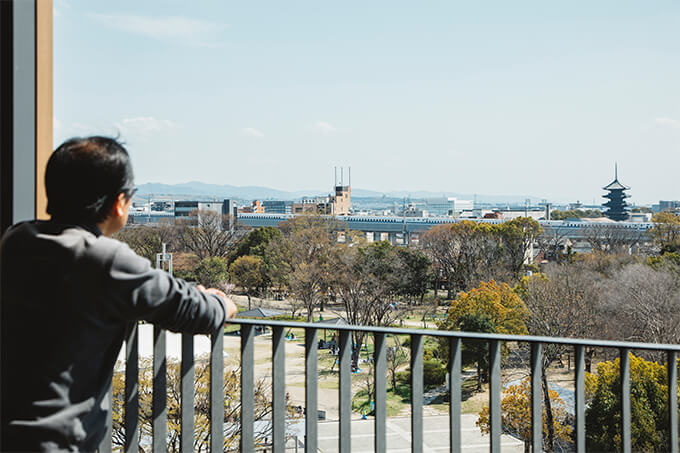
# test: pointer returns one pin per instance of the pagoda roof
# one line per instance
(615, 185)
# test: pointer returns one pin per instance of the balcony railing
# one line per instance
(278, 415)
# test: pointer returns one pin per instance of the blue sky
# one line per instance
(526, 98)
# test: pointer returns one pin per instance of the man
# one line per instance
(70, 293)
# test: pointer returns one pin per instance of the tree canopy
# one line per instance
(666, 231)
(499, 303)
(516, 415)
(648, 406)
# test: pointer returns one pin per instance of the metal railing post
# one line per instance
(247, 389)
(580, 397)
(495, 395)
(380, 393)
(187, 394)
(625, 401)
(455, 354)
(536, 397)
(278, 390)
(160, 394)
(311, 391)
(132, 391)
(217, 390)
(673, 400)
(345, 393)
(417, 389)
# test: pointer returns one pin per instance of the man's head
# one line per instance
(89, 180)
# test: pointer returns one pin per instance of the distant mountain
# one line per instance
(197, 189)
(203, 190)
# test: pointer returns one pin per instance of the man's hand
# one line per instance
(229, 305)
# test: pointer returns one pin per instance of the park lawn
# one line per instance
(396, 401)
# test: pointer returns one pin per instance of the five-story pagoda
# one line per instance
(616, 204)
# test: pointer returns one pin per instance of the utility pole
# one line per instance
(164, 261)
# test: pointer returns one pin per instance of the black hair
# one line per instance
(84, 178)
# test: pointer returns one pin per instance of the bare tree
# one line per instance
(208, 237)
(366, 279)
(553, 242)
(147, 240)
(612, 238)
(396, 357)
(561, 303)
(643, 304)
(302, 258)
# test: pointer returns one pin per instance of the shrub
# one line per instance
(434, 373)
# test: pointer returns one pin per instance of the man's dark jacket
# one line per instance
(68, 297)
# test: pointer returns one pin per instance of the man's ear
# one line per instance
(119, 205)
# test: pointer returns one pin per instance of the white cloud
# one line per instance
(143, 126)
(325, 127)
(668, 122)
(252, 132)
(191, 31)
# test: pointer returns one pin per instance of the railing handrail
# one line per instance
(463, 335)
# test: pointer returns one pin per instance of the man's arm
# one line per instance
(140, 292)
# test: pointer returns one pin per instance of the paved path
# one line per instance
(436, 435)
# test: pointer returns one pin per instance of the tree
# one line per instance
(642, 304)
(561, 303)
(516, 415)
(366, 279)
(518, 237)
(489, 308)
(575, 214)
(666, 232)
(416, 271)
(395, 359)
(212, 272)
(612, 238)
(301, 259)
(255, 242)
(474, 351)
(208, 237)
(554, 244)
(437, 243)
(499, 303)
(648, 406)
(465, 253)
(246, 272)
(147, 241)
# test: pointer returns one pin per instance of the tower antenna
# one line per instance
(616, 171)
(342, 176)
(335, 181)
(350, 176)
